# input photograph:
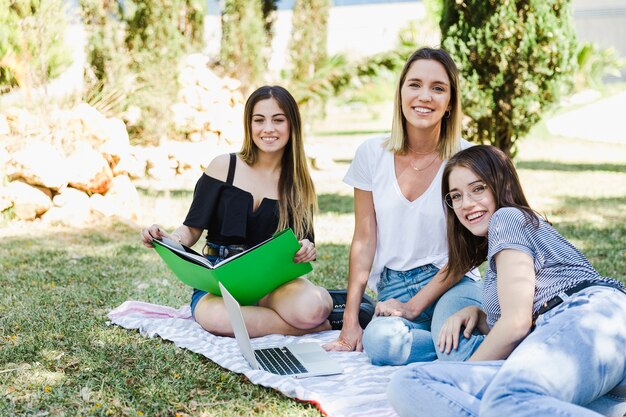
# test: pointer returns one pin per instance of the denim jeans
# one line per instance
(572, 364)
(197, 294)
(398, 341)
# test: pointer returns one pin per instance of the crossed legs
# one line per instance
(295, 308)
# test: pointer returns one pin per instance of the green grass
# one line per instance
(58, 355)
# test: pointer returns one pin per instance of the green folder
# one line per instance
(249, 276)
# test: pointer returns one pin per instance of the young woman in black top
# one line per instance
(241, 200)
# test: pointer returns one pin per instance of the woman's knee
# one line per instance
(387, 341)
(210, 313)
(300, 303)
(465, 293)
(512, 397)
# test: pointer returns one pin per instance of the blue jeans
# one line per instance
(398, 341)
(198, 294)
(572, 364)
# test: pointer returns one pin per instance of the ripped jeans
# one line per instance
(398, 341)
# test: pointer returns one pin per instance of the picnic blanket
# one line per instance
(359, 391)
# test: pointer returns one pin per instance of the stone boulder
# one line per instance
(28, 202)
(38, 163)
(121, 200)
(71, 207)
(89, 171)
(5, 129)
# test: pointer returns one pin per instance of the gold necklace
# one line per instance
(419, 153)
(416, 169)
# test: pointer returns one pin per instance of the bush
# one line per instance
(515, 58)
(32, 44)
(243, 49)
(594, 63)
(134, 49)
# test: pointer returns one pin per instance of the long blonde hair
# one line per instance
(297, 201)
(449, 137)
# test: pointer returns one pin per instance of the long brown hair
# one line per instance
(449, 136)
(297, 201)
(466, 250)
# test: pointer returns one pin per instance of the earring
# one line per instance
(447, 114)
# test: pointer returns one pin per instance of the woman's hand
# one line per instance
(148, 234)
(306, 253)
(451, 329)
(349, 340)
(393, 307)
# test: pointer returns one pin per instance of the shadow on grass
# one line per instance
(602, 242)
(335, 203)
(573, 167)
(66, 282)
(579, 207)
(599, 245)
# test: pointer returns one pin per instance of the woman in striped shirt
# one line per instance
(560, 325)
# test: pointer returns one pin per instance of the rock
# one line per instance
(123, 196)
(20, 121)
(90, 172)
(28, 201)
(130, 165)
(39, 163)
(6, 200)
(4, 160)
(70, 196)
(4, 125)
(76, 216)
(116, 141)
(71, 208)
(122, 200)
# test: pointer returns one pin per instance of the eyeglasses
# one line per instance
(454, 199)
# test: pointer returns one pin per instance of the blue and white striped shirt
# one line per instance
(558, 264)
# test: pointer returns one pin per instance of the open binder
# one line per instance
(249, 275)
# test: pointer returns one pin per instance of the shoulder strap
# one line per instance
(231, 169)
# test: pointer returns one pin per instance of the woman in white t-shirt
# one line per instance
(399, 245)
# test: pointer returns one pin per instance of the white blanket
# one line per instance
(359, 391)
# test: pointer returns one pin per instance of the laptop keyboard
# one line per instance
(279, 361)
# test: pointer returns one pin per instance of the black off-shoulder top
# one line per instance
(227, 212)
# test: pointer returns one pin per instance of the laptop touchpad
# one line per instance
(313, 356)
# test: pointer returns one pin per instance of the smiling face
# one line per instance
(269, 126)
(425, 94)
(474, 215)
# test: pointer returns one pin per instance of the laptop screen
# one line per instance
(239, 327)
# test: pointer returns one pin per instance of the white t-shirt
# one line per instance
(409, 233)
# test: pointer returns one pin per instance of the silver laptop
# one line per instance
(295, 359)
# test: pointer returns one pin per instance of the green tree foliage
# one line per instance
(312, 74)
(163, 28)
(243, 50)
(134, 49)
(309, 36)
(32, 44)
(107, 54)
(594, 62)
(515, 56)
(269, 17)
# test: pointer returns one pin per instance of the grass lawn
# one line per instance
(59, 357)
